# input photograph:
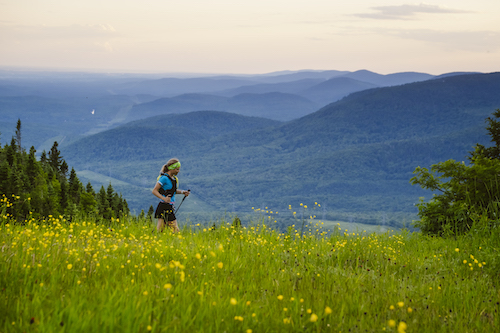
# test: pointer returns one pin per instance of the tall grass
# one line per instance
(80, 276)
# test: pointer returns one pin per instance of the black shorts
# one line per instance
(165, 211)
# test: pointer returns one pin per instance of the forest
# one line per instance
(45, 187)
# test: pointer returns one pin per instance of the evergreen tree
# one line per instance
(63, 169)
(4, 177)
(18, 134)
(64, 202)
(151, 211)
(74, 187)
(54, 197)
(43, 157)
(10, 154)
(110, 192)
(55, 158)
(89, 189)
(103, 204)
(31, 167)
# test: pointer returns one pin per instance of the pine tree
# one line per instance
(103, 204)
(75, 187)
(63, 169)
(55, 157)
(43, 158)
(31, 167)
(89, 189)
(4, 177)
(18, 135)
(150, 212)
(10, 154)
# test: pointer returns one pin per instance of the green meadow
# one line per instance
(120, 275)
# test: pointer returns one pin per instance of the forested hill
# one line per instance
(355, 155)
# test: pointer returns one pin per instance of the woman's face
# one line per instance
(175, 171)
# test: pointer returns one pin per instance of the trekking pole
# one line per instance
(181, 203)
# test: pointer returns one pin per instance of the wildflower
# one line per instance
(248, 331)
(410, 310)
(280, 297)
(149, 328)
(457, 250)
(402, 327)
(70, 266)
(220, 264)
(391, 307)
(286, 321)
(313, 318)
(198, 256)
(401, 304)
(391, 323)
(328, 310)
(145, 293)
(233, 301)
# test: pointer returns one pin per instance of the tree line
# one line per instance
(42, 187)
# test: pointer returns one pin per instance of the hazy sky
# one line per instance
(251, 36)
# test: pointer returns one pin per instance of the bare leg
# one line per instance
(160, 225)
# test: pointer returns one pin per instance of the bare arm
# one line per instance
(158, 195)
(186, 193)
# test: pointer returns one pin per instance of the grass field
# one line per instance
(118, 276)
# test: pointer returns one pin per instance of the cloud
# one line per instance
(472, 41)
(404, 12)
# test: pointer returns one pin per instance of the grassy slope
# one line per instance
(83, 277)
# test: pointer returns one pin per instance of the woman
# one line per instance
(165, 189)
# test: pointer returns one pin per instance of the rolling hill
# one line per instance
(275, 105)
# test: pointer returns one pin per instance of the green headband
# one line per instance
(174, 166)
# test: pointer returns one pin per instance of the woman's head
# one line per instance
(172, 164)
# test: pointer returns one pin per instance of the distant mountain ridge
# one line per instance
(87, 103)
(273, 105)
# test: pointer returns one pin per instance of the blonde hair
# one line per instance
(171, 161)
